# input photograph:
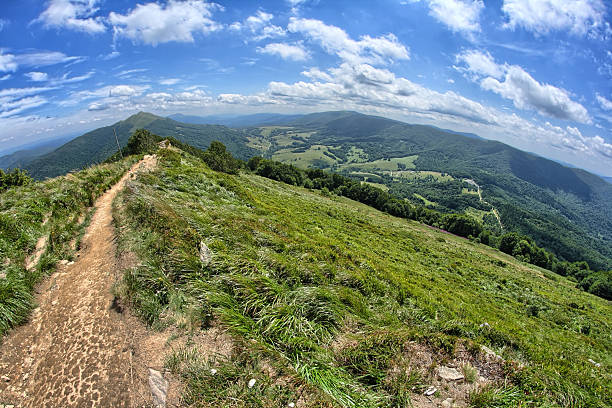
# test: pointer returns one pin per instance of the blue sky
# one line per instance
(536, 74)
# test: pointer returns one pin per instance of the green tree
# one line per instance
(219, 159)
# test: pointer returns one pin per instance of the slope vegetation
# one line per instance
(332, 303)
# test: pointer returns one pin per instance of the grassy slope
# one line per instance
(294, 271)
(61, 202)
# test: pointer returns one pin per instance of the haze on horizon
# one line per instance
(535, 74)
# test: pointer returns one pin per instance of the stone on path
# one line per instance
(159, 388)
(449, 374)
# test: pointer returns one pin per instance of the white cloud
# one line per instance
(293, 52)
(175, 21)
(124, 90)
(6, 77)
(169, 81)
(513, 83)
(378, 50)
(110, 56)
(129, 72)
(604, 103)
(7, 62)
(259, 26)
(45, 58)
(72, 14)
(97, 106)
(579, 17)
(479, 63)
(67, 79)
(37, 76)
(14, 101)
(3, 23)
(458, 15)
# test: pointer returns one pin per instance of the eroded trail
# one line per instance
(76, 349)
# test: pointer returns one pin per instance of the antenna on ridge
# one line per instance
(117, 140)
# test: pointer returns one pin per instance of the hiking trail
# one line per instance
(77, 349)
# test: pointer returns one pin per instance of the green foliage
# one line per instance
(492, 397)
(16, 177)
(219, 159)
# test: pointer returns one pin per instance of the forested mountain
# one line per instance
(97, 145)
(566, 210)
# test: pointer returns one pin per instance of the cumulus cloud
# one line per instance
(334, 40)
(175, 21)
(259, 26)
(604, 102)
(7, 62)
(293, 52)
(514, 83)
(72, 14)
(458, 15)
(98, 106)
(579, 17)
(37, 76)
(479, 63)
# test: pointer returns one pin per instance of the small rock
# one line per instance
(213, 371)
(252, 382)
(594, 363)
(430, 391)
(447, 403)
(485, 324)
(5, 378)
(159, 388)
(205, 254)
(449, 374)
(9, 406)
(490, 353)
(482, 379)
(70, 263)
(63, 262)
(291, 404)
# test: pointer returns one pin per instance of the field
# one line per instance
(331, 303)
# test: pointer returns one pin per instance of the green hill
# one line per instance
(332, 303)
(95, 146)
(567, 210)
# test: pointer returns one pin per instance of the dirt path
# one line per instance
(76, 349)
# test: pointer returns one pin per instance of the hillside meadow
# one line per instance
(332, 303)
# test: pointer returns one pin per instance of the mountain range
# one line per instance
(566, 210)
